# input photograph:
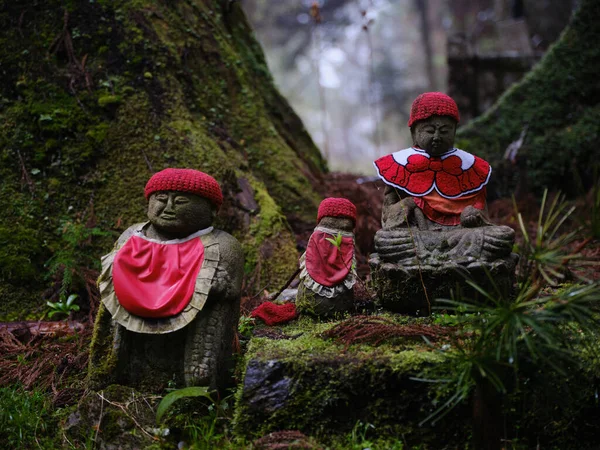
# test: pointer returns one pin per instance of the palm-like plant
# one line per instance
(546, 254)
(541, 325)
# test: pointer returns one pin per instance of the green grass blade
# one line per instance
(172, 397)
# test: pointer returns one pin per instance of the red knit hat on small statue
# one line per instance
(185, 180)
(433, 104)
(336, 207)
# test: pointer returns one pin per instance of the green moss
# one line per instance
(103, 356)
(328, 389)
(26, 419)
(560, 146)
(107, 100)
(81, 131)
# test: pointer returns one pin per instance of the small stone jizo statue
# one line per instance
(434, 216)
(170, 291)
(328, 267)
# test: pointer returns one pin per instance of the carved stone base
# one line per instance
(307, 302)
(413, 289)
(200, 354)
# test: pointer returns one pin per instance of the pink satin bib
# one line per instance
(156, 280)
(325, 263)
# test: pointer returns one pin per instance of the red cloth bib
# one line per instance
(154, 280)
(447, 211)
(325, 263)
(452, 175)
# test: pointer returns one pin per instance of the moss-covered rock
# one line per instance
(299, 380)
(314, 385)
(96, 96)
(117, 417)
(559, 102)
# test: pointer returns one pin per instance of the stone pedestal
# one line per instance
(423, 266)
(314, 304)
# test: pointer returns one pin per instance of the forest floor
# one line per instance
(51, 360)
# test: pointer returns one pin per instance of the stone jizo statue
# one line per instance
(170, 291)
(434, 216)
(328, 267)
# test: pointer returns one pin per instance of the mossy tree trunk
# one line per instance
(559, 103)
(96, 96)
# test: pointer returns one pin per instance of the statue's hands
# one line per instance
(394, 245)
(399, 214)
(472, 217)
(498, 242)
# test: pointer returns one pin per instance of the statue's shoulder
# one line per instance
(230, 249)
(133, 229)
(400, 157)
(469, 158)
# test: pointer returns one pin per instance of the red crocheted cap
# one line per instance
(433, 104)
(185, 180)
(336, 207)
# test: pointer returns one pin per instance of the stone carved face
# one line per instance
(435, 134)
(337, 223)
(179, 214)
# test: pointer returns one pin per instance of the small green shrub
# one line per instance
(25, 418)
(72, 257)
(65, 307)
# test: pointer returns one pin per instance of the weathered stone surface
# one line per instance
(266, 388)
(154, 342)
(414, 289)
(312, 385)
(435, 230)
(308, 302)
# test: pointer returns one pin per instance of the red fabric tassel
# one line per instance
(273, 314)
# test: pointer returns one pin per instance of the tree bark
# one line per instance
(96, 96)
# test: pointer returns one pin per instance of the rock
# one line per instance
(266, 389)
(414, 289)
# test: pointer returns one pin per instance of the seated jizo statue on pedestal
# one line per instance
(435, 229)
(170, 291)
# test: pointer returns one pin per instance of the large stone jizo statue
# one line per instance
(435, 230)
(170, 291)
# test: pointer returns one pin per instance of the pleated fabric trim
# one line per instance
(326, 291)
(169, 324)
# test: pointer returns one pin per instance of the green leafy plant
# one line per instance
(336, 241)
(542, 327)
(502, 336)
(545, 254)
(246, 325)
(65, 307)
(72, 259)
(172, 397)
(204, 431)
(24, 418)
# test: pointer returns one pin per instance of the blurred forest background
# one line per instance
(351, 68)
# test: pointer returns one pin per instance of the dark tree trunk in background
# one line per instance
(96, 96)
(559, 101)
(423, 7)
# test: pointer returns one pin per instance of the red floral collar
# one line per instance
(452, 175)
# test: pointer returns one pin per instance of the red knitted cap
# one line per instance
(336, 207)
(433, 104)
(185, 180)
